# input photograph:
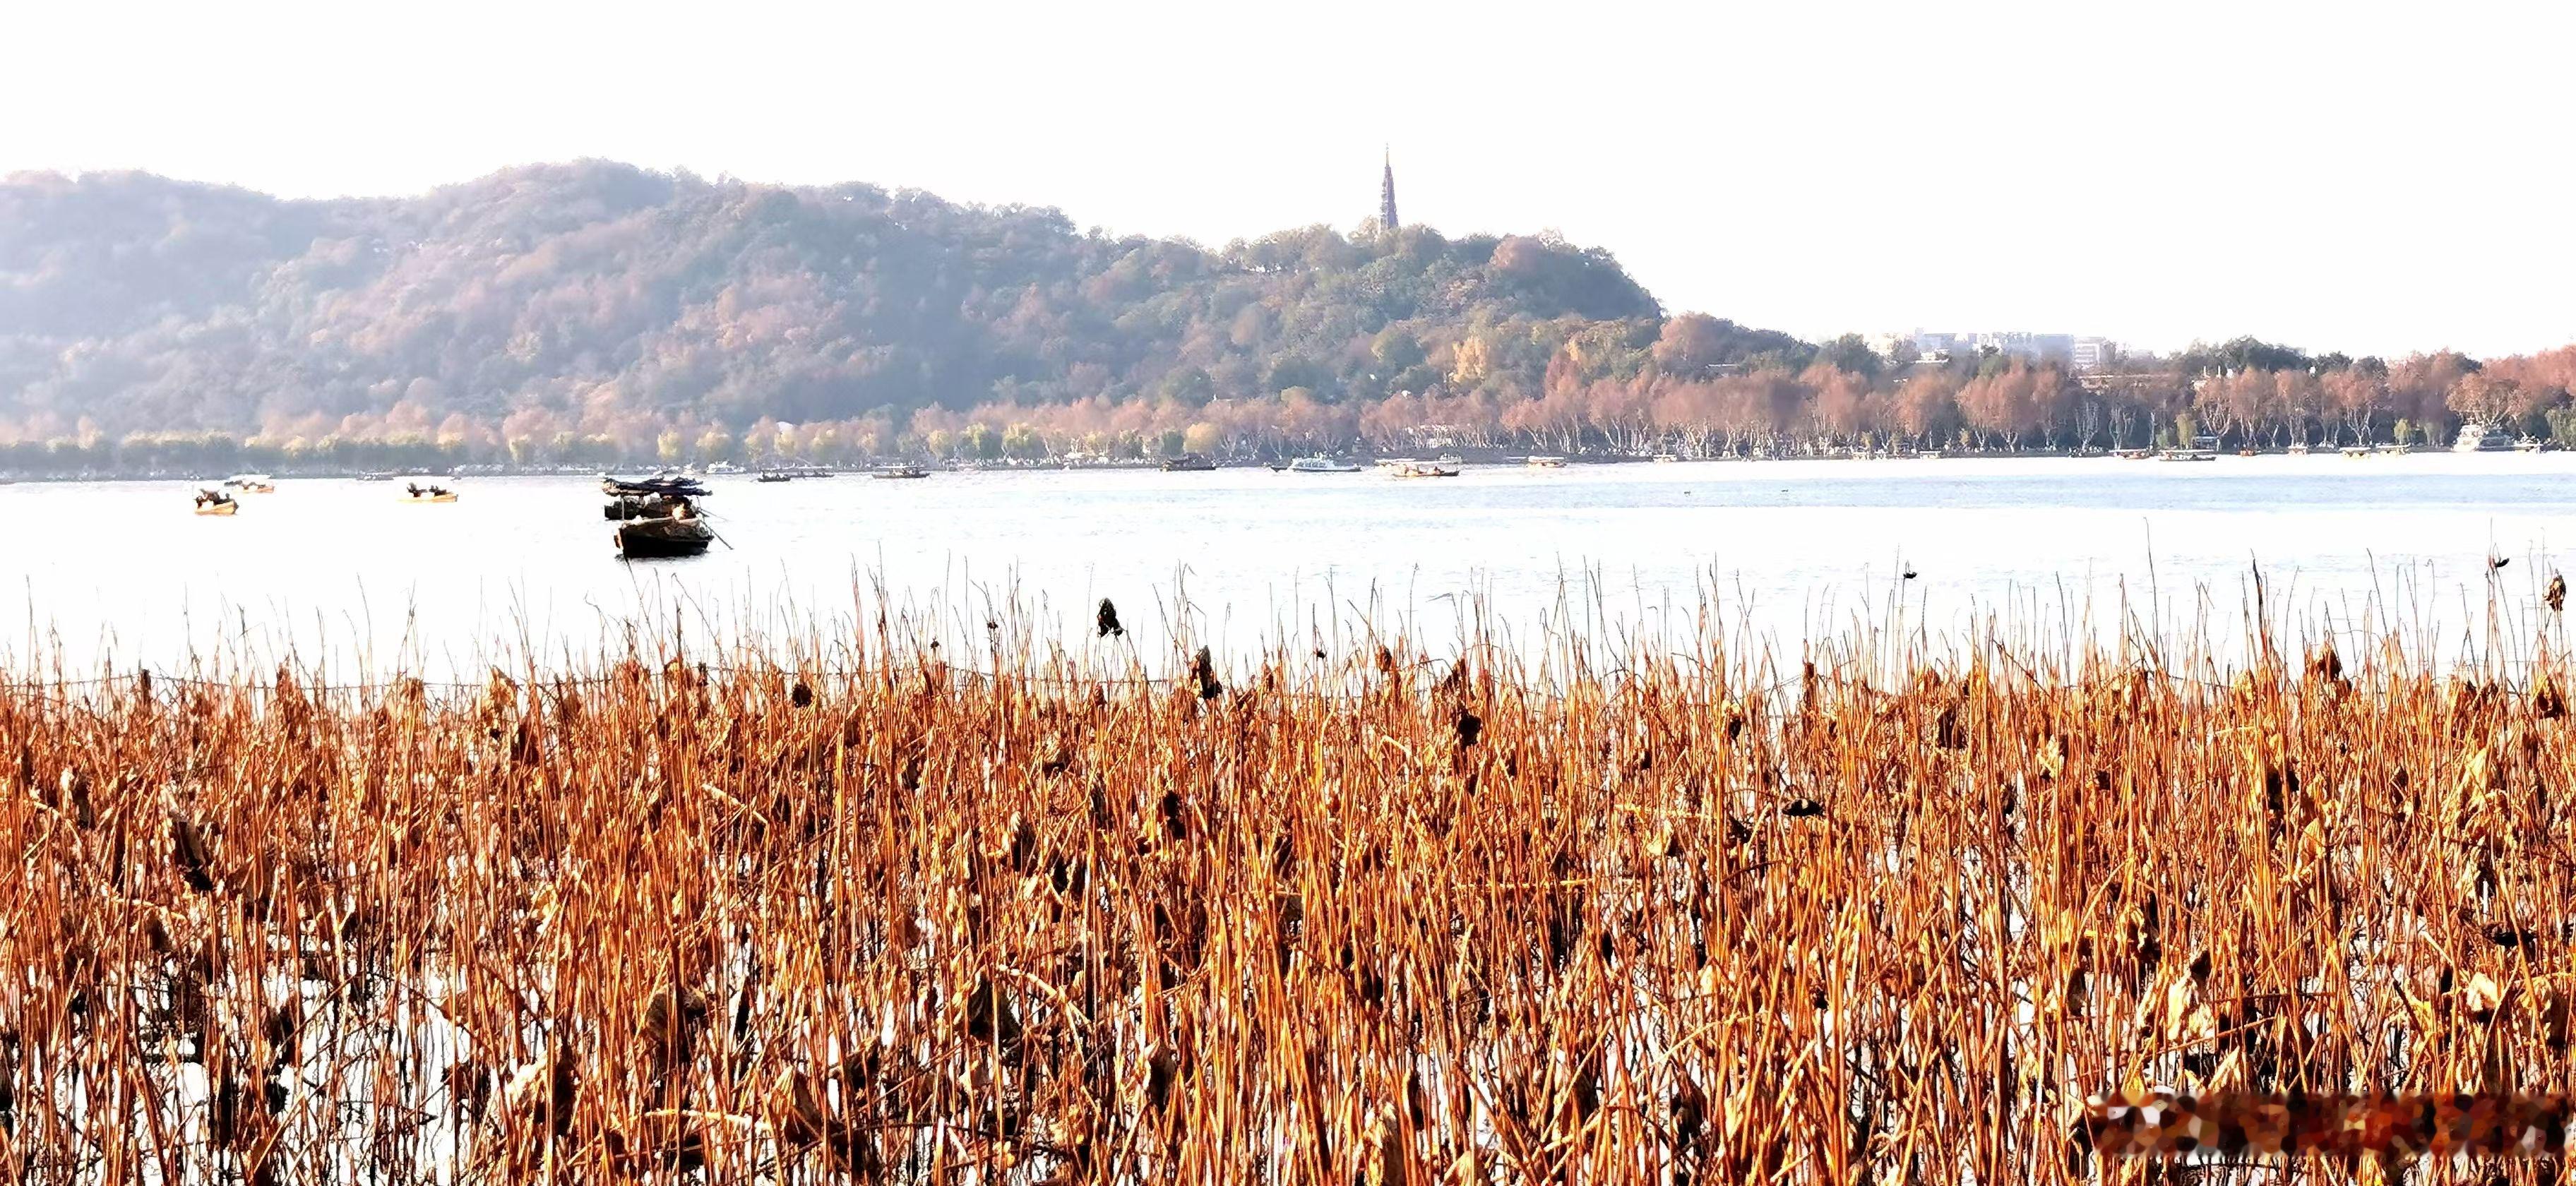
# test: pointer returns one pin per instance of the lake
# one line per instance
(1779, 550)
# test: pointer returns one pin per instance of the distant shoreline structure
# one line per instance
(1156, 462)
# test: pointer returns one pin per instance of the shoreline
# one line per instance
(1482, 459)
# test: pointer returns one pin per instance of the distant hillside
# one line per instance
(594, 314)
(597, 300)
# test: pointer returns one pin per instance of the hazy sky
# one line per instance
(2370, 177)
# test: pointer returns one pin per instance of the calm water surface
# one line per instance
(1789, 550)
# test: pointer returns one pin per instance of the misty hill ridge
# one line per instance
(606, 299)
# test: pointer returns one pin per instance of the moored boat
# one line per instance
(775, 476)
(1547, 462)
(2481, 438)
(1188, 463)
(903, 472)
(1423, 469)
(1322, 465)
(251, 483)
(2202, 448)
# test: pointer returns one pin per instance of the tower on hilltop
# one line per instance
(1386, 196)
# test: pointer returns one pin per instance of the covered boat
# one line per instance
(657, 516)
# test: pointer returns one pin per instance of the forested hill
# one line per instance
(597, 300)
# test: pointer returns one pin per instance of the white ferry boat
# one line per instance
(2481, 438)
(2202, 449)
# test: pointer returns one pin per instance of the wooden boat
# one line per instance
(1188, 463)
(671, 535)
(903, 472)
(777, 477)
(417, 493)
(1547, 462)
(673, 528)
(216, 502)
(251, 483)
(1423, 469)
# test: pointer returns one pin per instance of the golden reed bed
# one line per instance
(872, 919)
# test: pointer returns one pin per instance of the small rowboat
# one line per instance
(214, 502)
(429, 494)
(680, 533)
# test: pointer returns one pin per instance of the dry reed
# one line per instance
(1363, 920)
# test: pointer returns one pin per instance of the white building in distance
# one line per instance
(2079, 353)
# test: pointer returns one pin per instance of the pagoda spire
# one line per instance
(1386, 196)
